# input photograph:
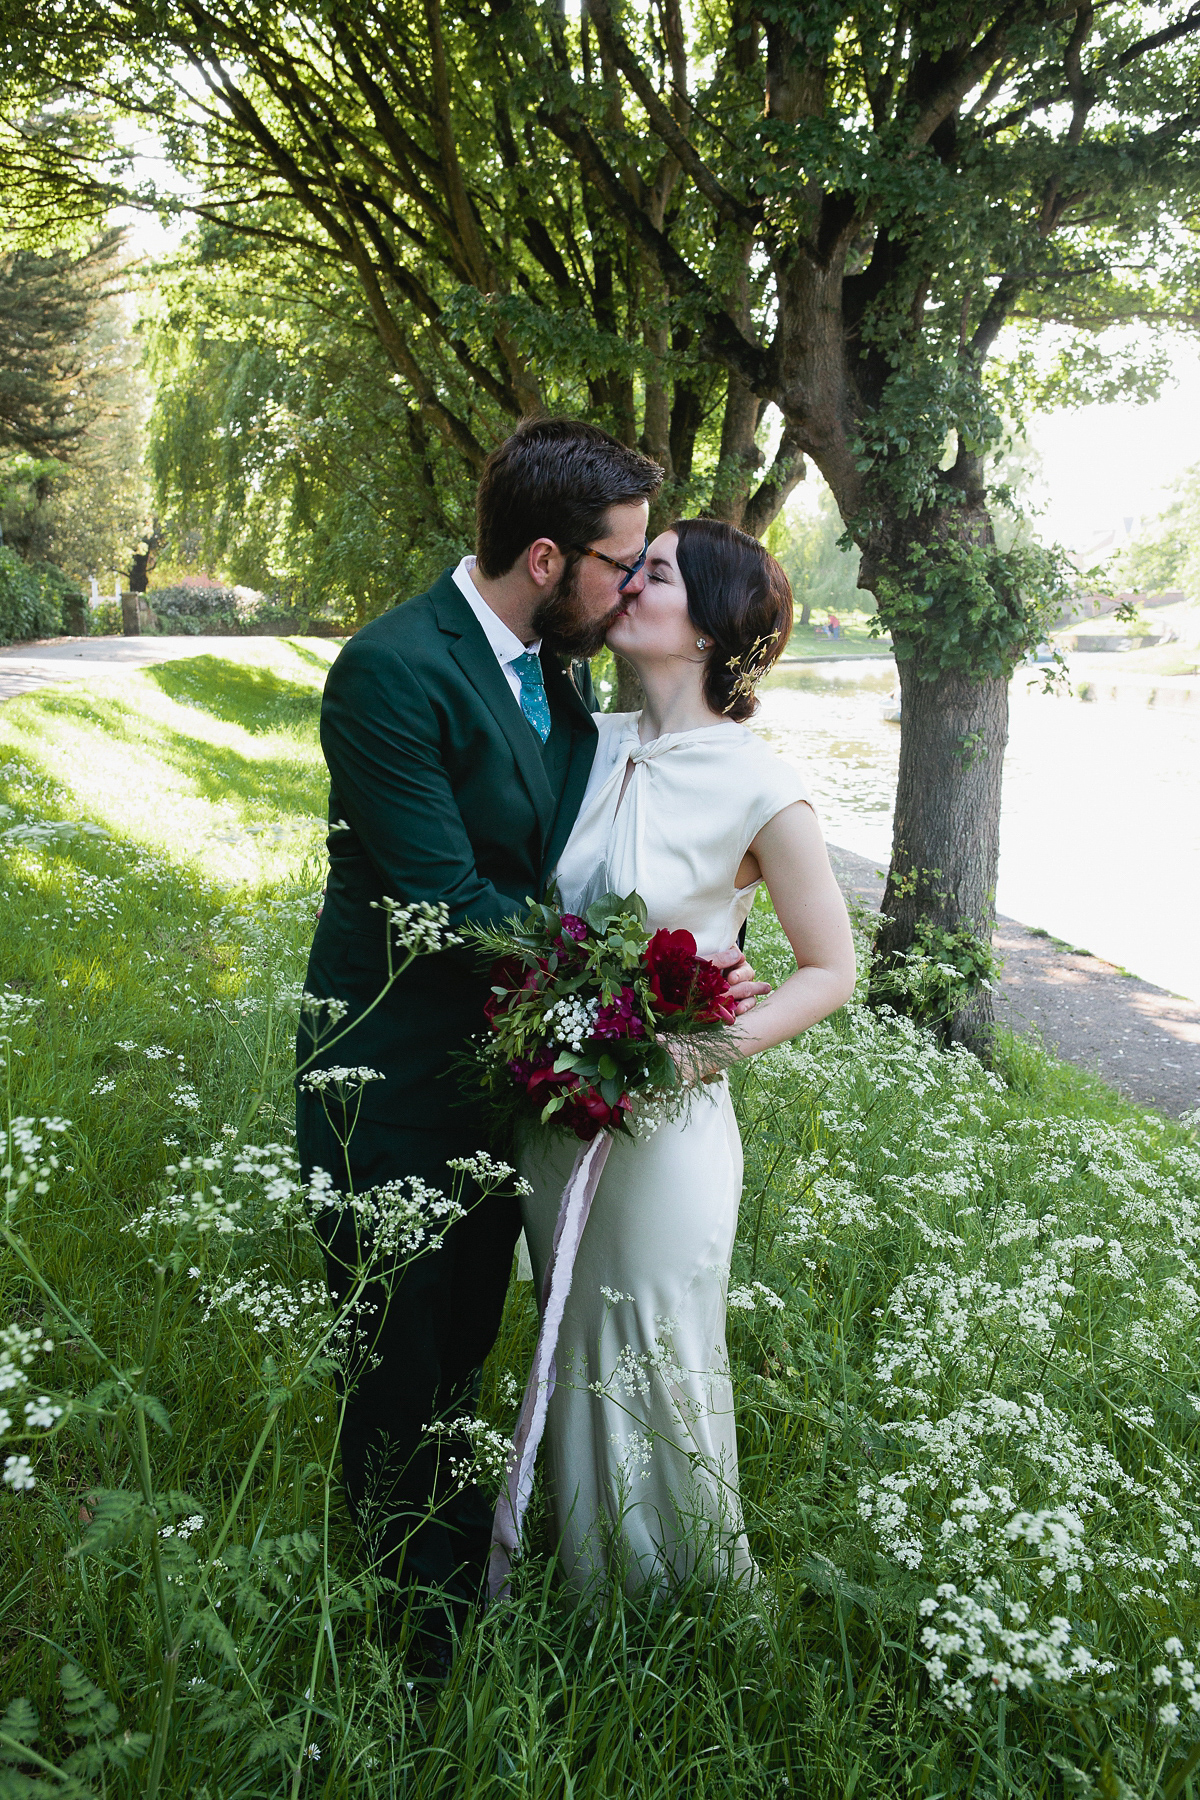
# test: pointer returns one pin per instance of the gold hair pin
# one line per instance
(749, 669)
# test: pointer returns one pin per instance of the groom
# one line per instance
(459, 747)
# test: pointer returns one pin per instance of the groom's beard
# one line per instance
(562, 624)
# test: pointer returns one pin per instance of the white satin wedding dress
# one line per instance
(641, 1452)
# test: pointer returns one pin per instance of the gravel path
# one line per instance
(24, 667)
(1142, 1040)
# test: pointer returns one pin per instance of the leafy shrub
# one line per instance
(185, 610)
(57, 586)
(29, 606)
(105, 620)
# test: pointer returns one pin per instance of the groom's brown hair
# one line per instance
(554, 478)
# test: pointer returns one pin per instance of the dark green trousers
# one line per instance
(415, 1356)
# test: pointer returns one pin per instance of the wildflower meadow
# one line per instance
(964, 1323)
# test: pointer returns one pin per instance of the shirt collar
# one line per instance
(505, 643)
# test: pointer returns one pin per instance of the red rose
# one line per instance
(681, 981)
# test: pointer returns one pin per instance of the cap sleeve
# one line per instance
(776, 783)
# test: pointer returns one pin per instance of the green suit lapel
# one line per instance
(566, 704)
(476, 658)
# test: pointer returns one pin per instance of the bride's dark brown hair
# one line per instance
(741, 600)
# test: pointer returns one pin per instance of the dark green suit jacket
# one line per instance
(446, 794)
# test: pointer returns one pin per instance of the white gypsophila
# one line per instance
(422, 927)
(18, 1474)
(571, 1021)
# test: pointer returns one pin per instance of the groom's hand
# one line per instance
(737, 971)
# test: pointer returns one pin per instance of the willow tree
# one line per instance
(697, 218)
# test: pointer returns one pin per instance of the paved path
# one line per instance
(1142, 1040)
(24, 667)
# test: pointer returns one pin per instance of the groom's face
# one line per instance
(575, 616)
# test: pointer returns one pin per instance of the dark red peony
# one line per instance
(681, 981)
(588, 1113)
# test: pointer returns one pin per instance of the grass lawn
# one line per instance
(962, 1330)
(855, 638)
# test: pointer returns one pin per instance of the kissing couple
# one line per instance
(468, 766)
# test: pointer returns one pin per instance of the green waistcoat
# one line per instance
(439, 790)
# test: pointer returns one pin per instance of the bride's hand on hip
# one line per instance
(743, 988)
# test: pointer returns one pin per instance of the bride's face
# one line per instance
(653, 625)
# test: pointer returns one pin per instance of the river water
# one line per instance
(1100, 827)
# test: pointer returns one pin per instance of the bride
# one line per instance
(689, 808)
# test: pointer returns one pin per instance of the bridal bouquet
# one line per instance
(579, 1008)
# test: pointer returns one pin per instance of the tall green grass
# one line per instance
(963, 1336)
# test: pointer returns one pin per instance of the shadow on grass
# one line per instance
(254, 698)
(219, 772)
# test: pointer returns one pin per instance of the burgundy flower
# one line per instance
(575, 927)
(619, 1018)
(681, 981)
(511, 975)
(588, 1113)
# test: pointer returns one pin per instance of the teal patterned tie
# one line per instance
(534, 704)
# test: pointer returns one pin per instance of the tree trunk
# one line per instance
(630, 693)
(946, 836)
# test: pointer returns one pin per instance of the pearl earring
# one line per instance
(702, 643)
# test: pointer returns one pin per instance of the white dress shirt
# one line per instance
(505, 643)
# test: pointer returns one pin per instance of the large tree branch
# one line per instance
(787, 470)
(720, 335)
(1168, 35)
(727, 206)
(937, 107)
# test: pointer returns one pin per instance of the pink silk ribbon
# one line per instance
(531, 1422)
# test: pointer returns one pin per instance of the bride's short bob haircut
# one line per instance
(738, 596)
